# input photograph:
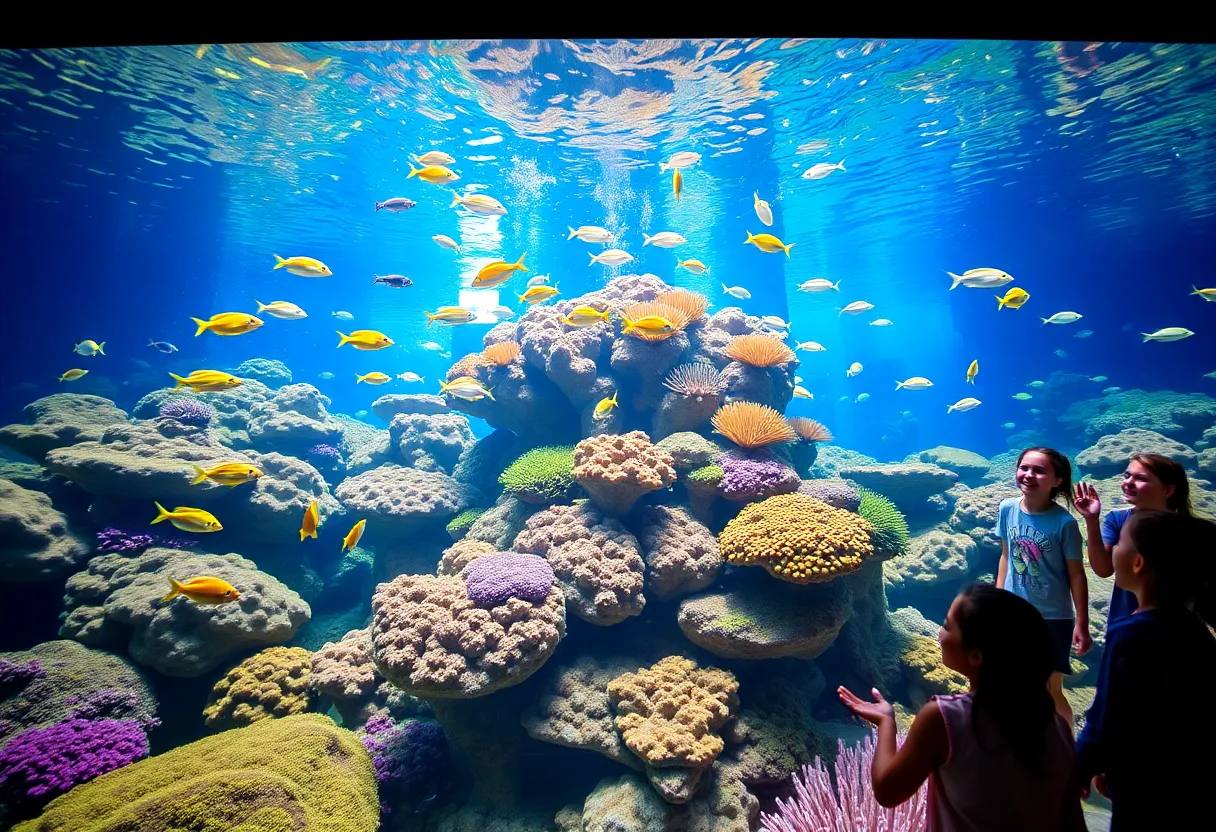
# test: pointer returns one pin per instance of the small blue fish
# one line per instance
(396, 205)
(162, 346)
(425, 803)
(397, 281)
(1085, 333)
(1061, 354)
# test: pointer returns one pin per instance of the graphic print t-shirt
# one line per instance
(1039, 545)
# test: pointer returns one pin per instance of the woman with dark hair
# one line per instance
(998, 757)
(1151, 482)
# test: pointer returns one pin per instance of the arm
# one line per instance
(898, 773)
(1094, 741)
(1002, 567)
(1100, 559)
(1079, 586)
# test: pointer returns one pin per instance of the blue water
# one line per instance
(146, 186)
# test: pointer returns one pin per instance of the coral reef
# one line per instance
(299, 772)
(890, 527)
(1180, 416)
(430, 443)
(1109, 455)
(485, 461)
(970, 467)
(618, 469)
(269, 371)
(754, 476)
(59, 421)
(272, 683)
(909, 485)
(492, 581)
(410, 759)
(688, 450)
(975, 514)
(681, 553)
(499, 525)
(597, 562)
(404, 500)
(751, 425)
(232, 409)
(36, 543)
(835, 492)
(932, 558)
(188, 412)
(293, 421)
(459, 555)
(394, 404)
(117, 599)
(541, 476)
(344, 674)
(459, 525)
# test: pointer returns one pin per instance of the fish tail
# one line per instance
(1147, 337)
(430, 318)
(151, 343)
(202, 475)
(1000, 302)
(161, 516)
(840, 165)
(443, 387)
(788, 247)
(750, 237)
(1195, 290)
(519, 264)
(662, 167)
(101, 348)
(956, 279)
(647, 239)
(279, 262)
(181, 382)
(898, 384)
(358, 378)
(615, 393)
(345, 338)
(455, 198)
(413, 171)
(379, 205)
(836, 285)
(1044, 320)
(202, 326)
(593, 258)
(174, 591)
(839, 311)
(629, 325)
(573, 233)
(522, 299)
(490, 393)
(261, 306)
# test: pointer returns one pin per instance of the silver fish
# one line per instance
(396, 204)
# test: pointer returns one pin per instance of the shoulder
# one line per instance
(1117, 517)
(1009, 505)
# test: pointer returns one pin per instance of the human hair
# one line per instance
(1180, 552)
(1170, 473)
(1062, 467)
(1011, 682)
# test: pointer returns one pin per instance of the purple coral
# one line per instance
(754, 476)
(111, 540)
(188, 411)
(111, 703)
(39, 764)
(16, 675)
(837, 493)
(410, 757)
(490, 581)
(326, 453)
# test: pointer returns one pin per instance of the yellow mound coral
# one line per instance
(759, 350)
(922, 660)
(668, 714)
(274, 682)
(797, 538)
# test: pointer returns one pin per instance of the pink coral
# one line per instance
(617, 469)
(596, 561)
(429, 639)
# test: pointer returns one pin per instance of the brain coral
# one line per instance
(596, 560)
(404, 500)
(542, 475)
(933, 557)
(681, 552)
(890, 535)
(274, 682)
(617, 469)
(797, 538)
(430, 639)
(301, 772)
(492, 581)
(35, 541)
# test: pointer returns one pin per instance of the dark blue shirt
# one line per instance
(1122, 602)
(1150, 729)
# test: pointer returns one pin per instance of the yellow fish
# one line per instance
(435, 157)
(585, 316)
(72, 375)
(206, 381)
(228, 323)
(467, 388)
(228, 473)
(303, 266)
(486, 206)
(188, 519)
(498, 272)
(366, 339)
(677, 183)
(650, 323)
(309, 70)
(435, 174)
(605, 406)
(352, 537)
(972, 371)
(694, 266)
(1014, 298)
(202, 589)
(768, 243)
(1206, 294)
(90, 348)
(312, 520)
(538, 294)
(373, 378)
(450, 315)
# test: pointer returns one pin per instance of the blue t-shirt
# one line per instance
(1122, 602)
(1039, 545)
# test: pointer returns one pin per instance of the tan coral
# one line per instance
(460, 554)
(669, 714)
(677, 317)
(345, 675)
(617, 469)
(272, 683)
(752, 425)
(692, 304)
(797, 538)
(759, 350)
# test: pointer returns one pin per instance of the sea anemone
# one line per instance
(188, 411)
(751, 425)
(692, 304)
(809, 430)
(678, 318)
(695, 380)
(502, 353)
(759, 350)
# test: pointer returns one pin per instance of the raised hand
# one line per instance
(873, 712)
(1086, 500)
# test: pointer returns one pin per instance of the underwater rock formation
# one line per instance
(616, 470)
(775, 733)
(395, 404)
(935, 557)
(272, 683)
(410, 758)
(271, 372)
(363, 446)
(835, 492)
(907, 484)
(299, 772)
(485, 461)
(294, 420)
(460, 554)
(36, 543)
(970, 466)
(58, 421)
(116, 600)
(232, 409)
(1180, 416)
(401, 501)
(975, 514)
(681, 553)
(1109, 455)
(597, 562)
(459, 525)
(345, 675)
(430, 443)
(500, 524)
(688, 450)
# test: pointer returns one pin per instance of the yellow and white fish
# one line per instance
(227, 323)
(1062, 318)
(90, 348)
(303, 266)
(774, 322)
(435, 174)
(435, 157)
(801, 392)
(72, 375)
(202, 589)
(980, 279)
(914, 383)
(881, 322)
(677, 183)
(538, 294)
(611, 257)
(591, 234)
(206, 381)
(768, 243)
(664, 239)
(365, 339)
(812, 346)
(1015, 298)
(1206, 294)
(585, 316)
(312, 521)
(1170, 333)
(683, 159)
(373, 378)
(822, 170)
(498, 272)
(763, 211)
(736, 292)
(228, 473)
(854, 369)
(188, 519)
(354, 535)
(819, 284)
(855, 308)
(282, 309)
(410, 376)
(467, 388)
(605, 406)
(694, 266)
(447, 242)
(538, 280)
(449, 316)
(486, 206)
(963, 404)
(653, 324)
(973, 370)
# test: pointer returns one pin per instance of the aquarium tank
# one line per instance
(533, 435)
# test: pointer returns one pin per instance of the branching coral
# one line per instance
(759, 350)
(751, 425)
(890, 535)
(797, 538)
(542, 475)
(272, 683)
(616, 470)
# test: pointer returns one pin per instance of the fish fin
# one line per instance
(175, 590)
(521, 300)
(345, 338)
(573, 233)
(455, 199)
(1147, 337)
(413, 171)
(519, 264)
(151, 343)
(662, 167)
(1044, 320)
(430, 318)
(750, 237)
(101, 348)
(279, 262)
(629, 325)
(202, 326)
(202, 475)
(490, 393)
(162, 514)
(181, 382)
(358, 378)
(592, 253)
(647, 239)
(379, 205)
(840, 165)
(898, 384)
(1194, 289)
(788, 247)
(956, 278)
(261, 306)
(836, 285)
(1000, 302)
(615, 393)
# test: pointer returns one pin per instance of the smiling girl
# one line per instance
(1041, 558)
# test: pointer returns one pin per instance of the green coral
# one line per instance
(710, 474)
(922, 660)
(459, 525)
(542, 475)
(890, 536)
(733, 622)
(278, 775)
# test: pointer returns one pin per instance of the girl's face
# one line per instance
(954, 655)
(1036, 476)
(1144, 489)
(1129, 565)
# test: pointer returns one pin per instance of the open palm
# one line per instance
(1086, 500)
(873, 712)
